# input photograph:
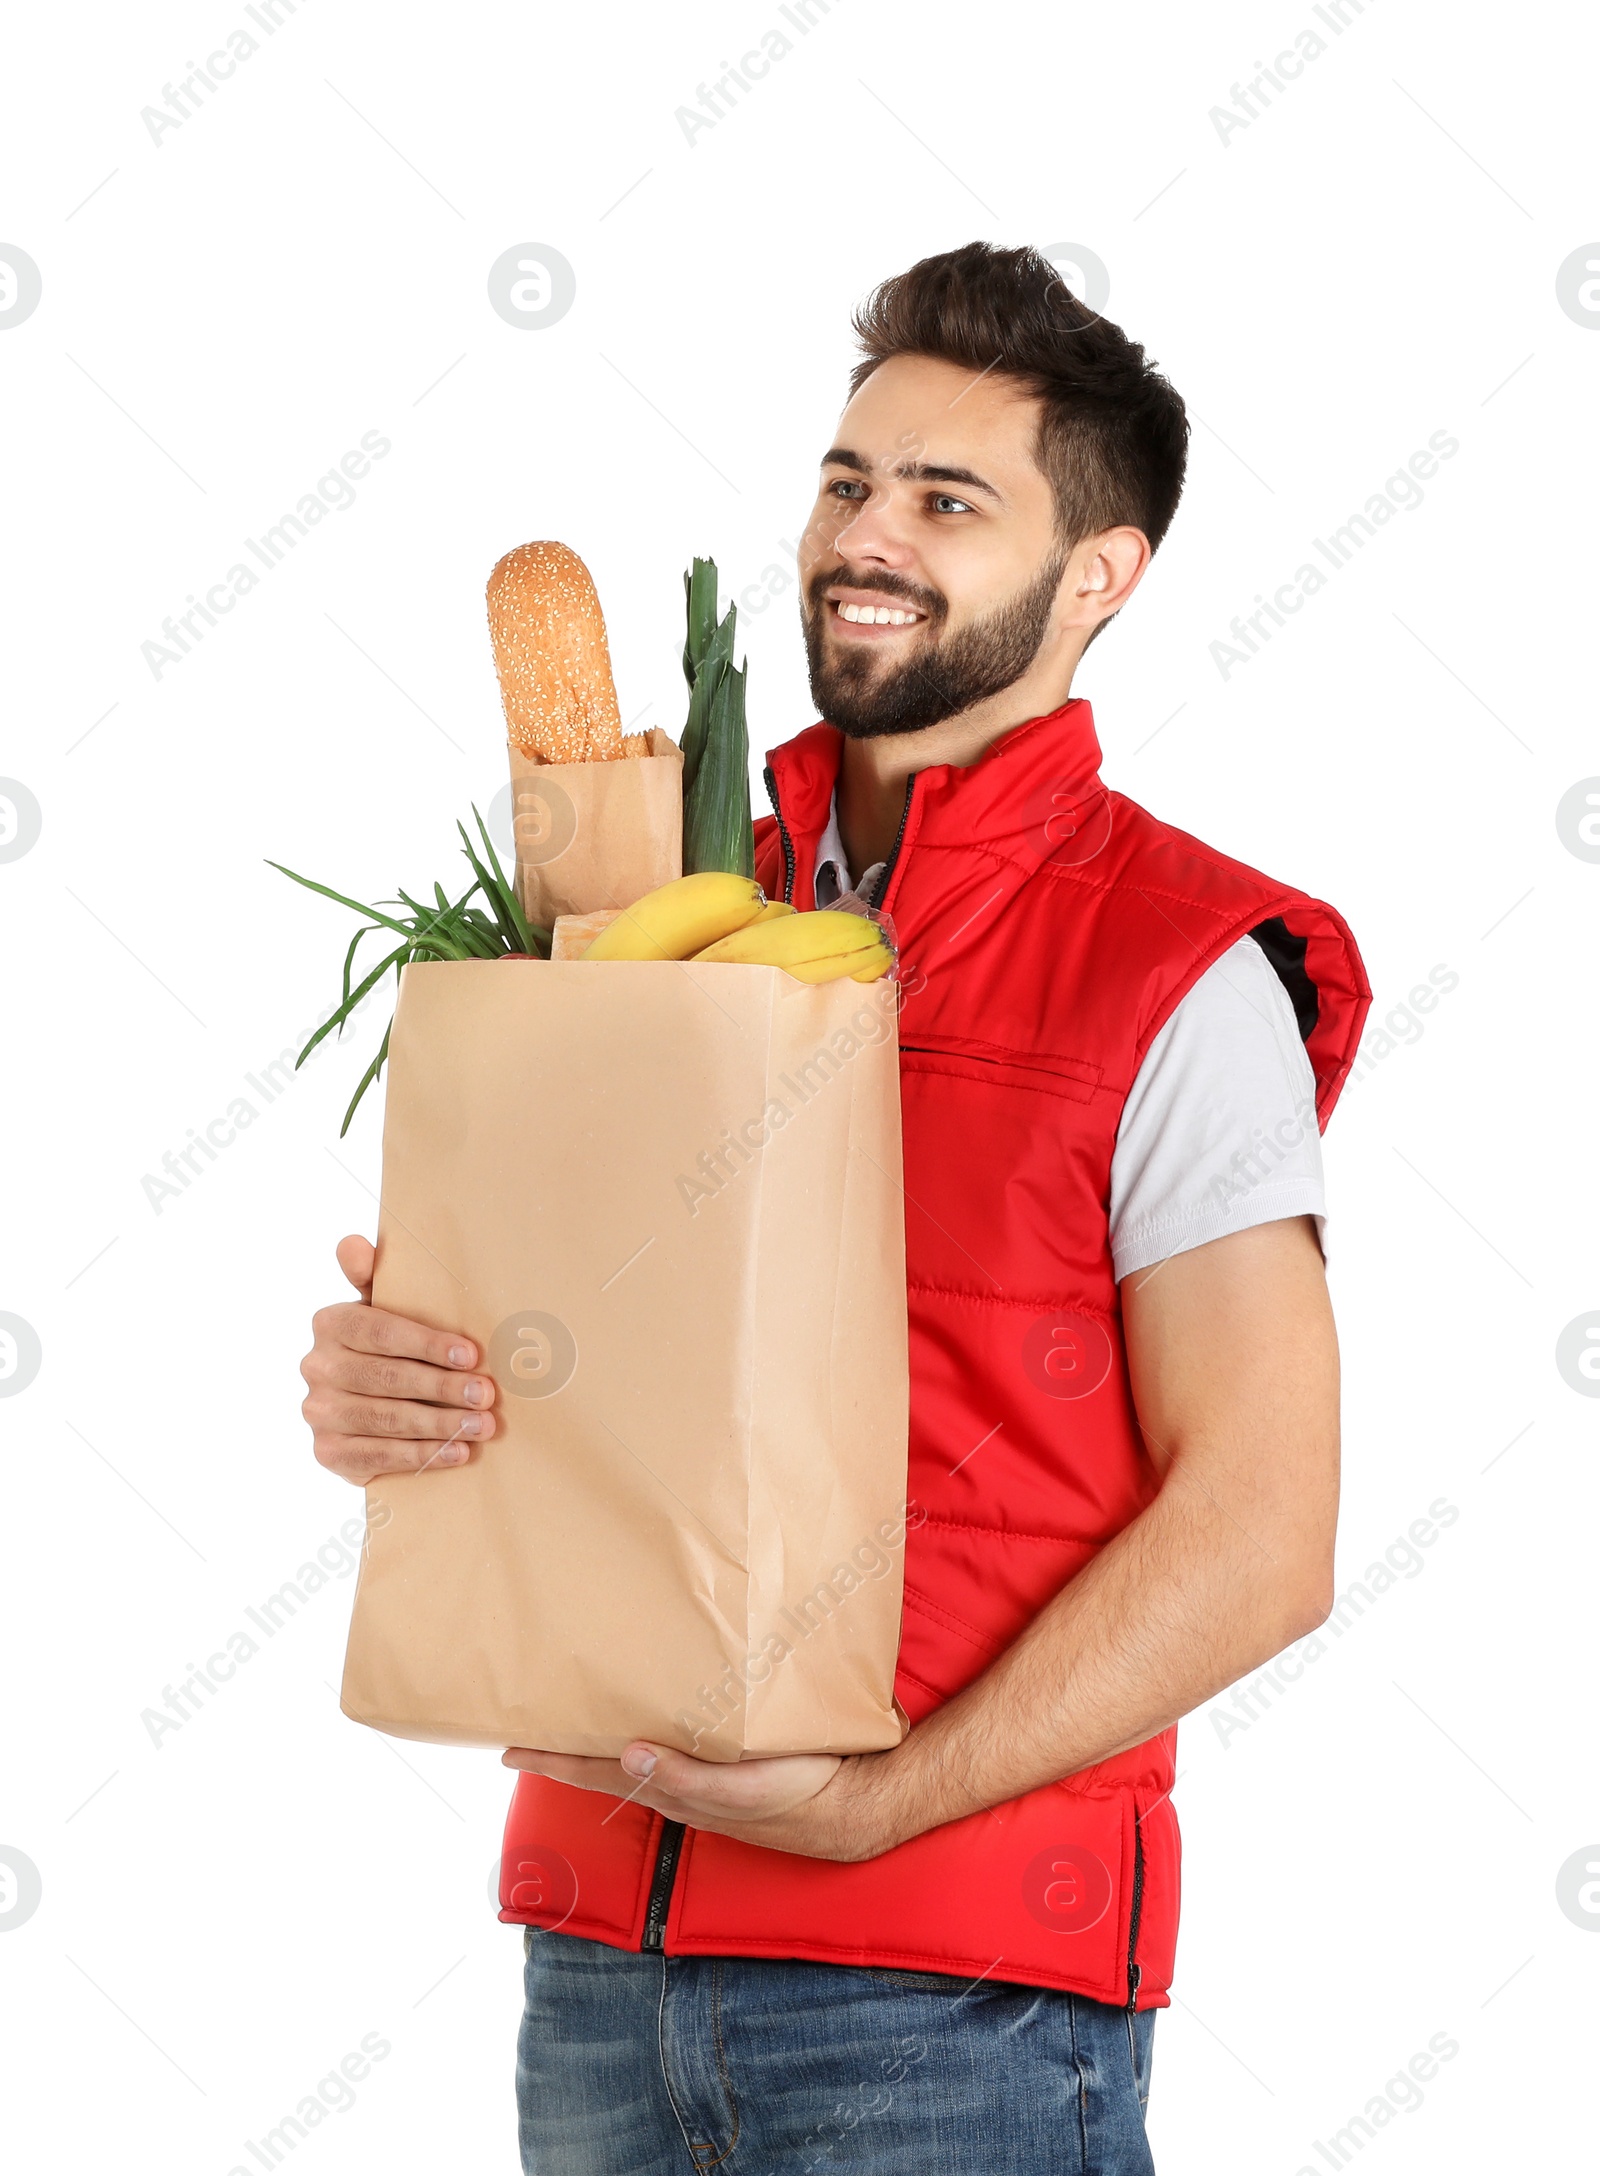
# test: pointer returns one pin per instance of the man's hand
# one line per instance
(385, 1395)
(818, 1805)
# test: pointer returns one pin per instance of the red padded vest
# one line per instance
(1047, 929)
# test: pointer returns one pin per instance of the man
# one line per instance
(1116, 1048)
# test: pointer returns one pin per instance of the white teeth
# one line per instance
(877, 615)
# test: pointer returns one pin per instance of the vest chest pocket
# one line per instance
(1007, 1168)
(992, 1065)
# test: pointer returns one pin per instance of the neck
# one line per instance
(873, 774)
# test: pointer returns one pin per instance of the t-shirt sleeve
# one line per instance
(1219, 1131)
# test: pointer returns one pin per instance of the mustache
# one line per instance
(928, 601)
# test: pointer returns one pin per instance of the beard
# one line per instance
(948, 674)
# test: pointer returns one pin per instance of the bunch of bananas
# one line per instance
(712, 916)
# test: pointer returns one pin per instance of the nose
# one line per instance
(877, 534)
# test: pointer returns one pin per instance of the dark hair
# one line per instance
(1113, 436)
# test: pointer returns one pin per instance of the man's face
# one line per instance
(930, 567)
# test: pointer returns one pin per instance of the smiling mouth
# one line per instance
(874, 615)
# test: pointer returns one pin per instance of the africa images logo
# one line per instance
(1067, 1355)
(1067, 1888)
(533, 1355)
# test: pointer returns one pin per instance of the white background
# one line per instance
(224, 314)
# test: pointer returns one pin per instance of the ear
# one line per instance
(1102, 574)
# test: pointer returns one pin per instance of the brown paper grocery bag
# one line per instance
(591, 835)
(665, 1200)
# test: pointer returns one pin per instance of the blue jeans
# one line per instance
(643, 2065)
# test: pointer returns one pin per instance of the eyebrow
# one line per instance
(916, 472)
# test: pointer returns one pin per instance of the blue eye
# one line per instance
(944, 504)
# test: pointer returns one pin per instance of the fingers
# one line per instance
(336, 1412)
(578, 1769)
(373, 1329)
(375, 1375)
(385, 1394)
(357, 1257)
(740, 1790)
(359, 1383)
(364, 1458)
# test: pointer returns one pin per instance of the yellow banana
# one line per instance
(680, 918)
(815, 947)
(773, 911)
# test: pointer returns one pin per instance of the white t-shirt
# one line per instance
(1219, 1131)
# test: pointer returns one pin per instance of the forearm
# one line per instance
(1235, 1372)
(1180, 1604)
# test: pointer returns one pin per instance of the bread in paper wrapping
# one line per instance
(597, 814)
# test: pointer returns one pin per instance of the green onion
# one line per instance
(452, 929)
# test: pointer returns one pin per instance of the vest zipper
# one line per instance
(660, 1901)
(783, 834)
(894, 851)
(1134, 1972)
(788, 842)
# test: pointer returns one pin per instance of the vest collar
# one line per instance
(1034, 790)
